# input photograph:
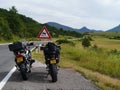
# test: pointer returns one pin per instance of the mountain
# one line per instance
(115, 29)
(83, 29)
(53, 24)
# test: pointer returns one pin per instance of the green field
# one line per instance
(100, 62)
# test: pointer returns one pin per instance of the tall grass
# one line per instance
(96, 60)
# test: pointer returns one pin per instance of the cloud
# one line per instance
(95, 14)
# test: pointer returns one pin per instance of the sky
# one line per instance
(94, 14)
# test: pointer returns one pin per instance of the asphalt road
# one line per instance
(38, 80)
(6, 61)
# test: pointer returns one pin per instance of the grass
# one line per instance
(97, 64)
(107, 43)
(95, 60)
(38, 55)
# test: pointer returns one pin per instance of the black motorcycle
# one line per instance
(52, 68)
(22, 58)
(51, 52)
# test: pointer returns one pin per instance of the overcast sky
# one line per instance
(94, 14)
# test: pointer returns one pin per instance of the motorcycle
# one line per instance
(52, 68)
(51, 53)
(22, 58)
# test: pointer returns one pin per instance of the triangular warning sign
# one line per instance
(44, 34)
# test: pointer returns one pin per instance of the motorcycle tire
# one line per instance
(24, 75)
(23, 72)
(53, 72)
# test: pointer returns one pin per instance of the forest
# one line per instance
(15, 25)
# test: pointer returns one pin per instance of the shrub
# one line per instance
(114, 52)
(86, 42)
(65, 41)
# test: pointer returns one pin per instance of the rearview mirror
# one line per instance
(59, 47)
(30, 44)
(42, 48)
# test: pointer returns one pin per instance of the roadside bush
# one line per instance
(114, 52)
(115, 37)
(86, 42)
(96, 48)
(65, 41)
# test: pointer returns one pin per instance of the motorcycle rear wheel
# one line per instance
(53, 72)
(23, 72)
(24, 75)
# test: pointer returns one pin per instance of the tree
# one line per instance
(13, 9)
(86, 42)
(5, 30)
(15, 23)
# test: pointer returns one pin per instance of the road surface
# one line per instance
(6, 61)
(38, 80)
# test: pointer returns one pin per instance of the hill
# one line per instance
(85, 29)
(14, 25)
(82, 30)
(60, 26)
(115, 29)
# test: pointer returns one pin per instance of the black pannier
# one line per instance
(16, 46)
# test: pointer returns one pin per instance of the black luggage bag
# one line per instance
(16, 46)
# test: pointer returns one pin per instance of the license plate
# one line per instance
(20, 59)
(52, 61)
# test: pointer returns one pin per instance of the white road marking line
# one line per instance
(5, 44)
(4, 81)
